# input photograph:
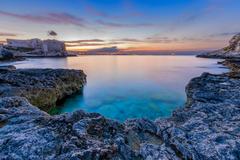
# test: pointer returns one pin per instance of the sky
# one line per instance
(155, 25)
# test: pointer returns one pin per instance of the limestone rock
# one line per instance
(28, 133)
(42, 87)
(209, 125)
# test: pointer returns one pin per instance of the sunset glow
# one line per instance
(126, 24)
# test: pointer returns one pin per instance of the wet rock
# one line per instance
(42, 87)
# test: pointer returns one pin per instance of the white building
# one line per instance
(39, 47)
(32, 43)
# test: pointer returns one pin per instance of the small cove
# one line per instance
(122, 87)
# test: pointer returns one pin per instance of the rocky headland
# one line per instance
(231, 51)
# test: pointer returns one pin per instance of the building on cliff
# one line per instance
(36, 47)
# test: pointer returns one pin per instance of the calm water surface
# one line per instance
(121, 87)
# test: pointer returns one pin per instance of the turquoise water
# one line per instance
(121, 87)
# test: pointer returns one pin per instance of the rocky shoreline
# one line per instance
(208, 127)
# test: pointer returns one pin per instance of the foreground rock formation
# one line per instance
(231, 51)
(35, 48)
(207, 127)
(42, 87)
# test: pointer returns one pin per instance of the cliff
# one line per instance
(231, 51)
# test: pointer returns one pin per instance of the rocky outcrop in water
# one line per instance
(42, 87)
(208, 127)
(231, 51)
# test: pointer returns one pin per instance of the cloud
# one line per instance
(121, 25)
(157, 39)
(48, 18)
(93, 11)
(85, 40)
(108, 50)
(7, 34)
(128, 40)
(152, 39)
(224, 34)
(163, 40)
(84, 44)
(91, 42)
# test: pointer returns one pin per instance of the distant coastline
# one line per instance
(141, 53)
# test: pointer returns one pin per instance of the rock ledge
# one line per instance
(42, 87)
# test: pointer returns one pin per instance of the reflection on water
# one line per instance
(122, 87)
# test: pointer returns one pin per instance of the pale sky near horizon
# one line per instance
(127, 24)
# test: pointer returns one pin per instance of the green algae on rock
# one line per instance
(42, 87)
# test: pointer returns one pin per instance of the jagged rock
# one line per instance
(42, 87)
(233, 64)
(29, 133)
(231, 51)
(209, 125)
